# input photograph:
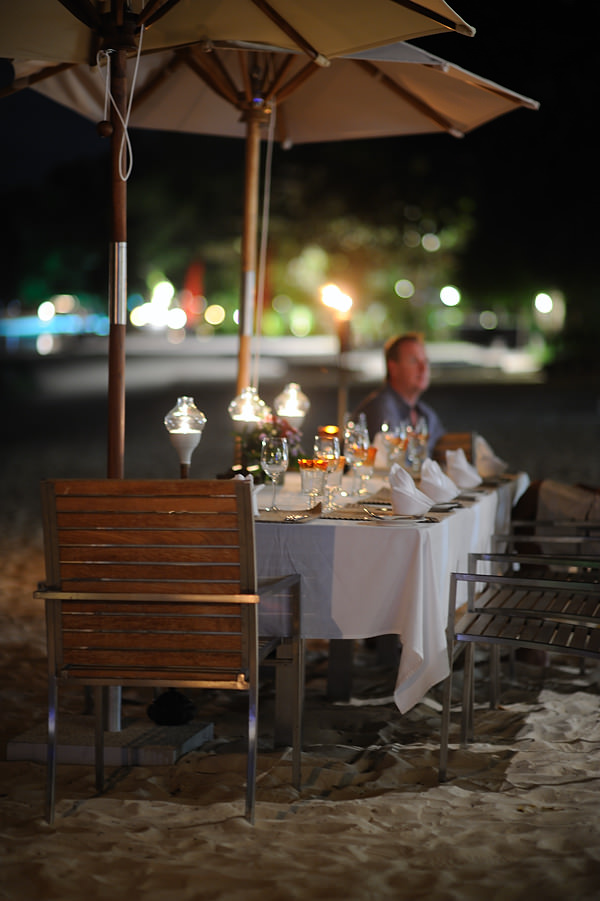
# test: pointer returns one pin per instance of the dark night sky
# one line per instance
(535, 172)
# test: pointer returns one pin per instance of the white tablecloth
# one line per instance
(361, 580)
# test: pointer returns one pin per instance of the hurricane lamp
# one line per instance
(247, 410)
(292, 404)
(185, 423)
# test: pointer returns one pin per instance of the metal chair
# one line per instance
(153, 582)
(555, 614)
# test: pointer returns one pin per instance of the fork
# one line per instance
(399, 516)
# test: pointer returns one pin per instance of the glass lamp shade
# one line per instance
(292, 404)
(184, 424)
(247, 410)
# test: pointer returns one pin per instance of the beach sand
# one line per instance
(518, 817)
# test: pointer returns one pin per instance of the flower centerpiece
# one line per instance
(272, 426)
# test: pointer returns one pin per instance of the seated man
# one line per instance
(398, 399)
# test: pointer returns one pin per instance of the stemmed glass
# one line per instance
(418, 435)
(396, 441)
(356, 444)
(327, 448)
(274, 460)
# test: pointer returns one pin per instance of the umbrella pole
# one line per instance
(117, 300)
(118, 277)
(254, 120)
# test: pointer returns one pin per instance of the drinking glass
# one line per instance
(312, 478)
(327, 448)
(367, 469)
(416, 452)
(396, 441)
(356, 443)
(274, 460)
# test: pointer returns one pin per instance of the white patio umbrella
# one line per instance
(232, 91)
(394, 90)
(72, 31)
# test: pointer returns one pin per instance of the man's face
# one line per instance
(409, 373)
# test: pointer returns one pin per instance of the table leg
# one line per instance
(388, 650)
(339, 670)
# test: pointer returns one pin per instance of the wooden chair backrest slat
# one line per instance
(454, 441)
(130, 591)
(161, 536)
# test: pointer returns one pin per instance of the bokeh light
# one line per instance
(450, 296)
(404, 288)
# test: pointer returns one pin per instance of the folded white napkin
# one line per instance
(487, 463)
(406, 497)
(436, 484)
(255, 490)
(460, 470)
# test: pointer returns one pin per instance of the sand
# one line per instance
(518, 817)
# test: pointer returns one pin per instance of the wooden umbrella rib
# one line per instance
(444, 21)
(28, 80)
(211, 70)
(296, 82)
(160, 76)
(155, 10)
(288, 29)
(280, 74)
(84, 11)
(242, 57)
(408, 96)
(499, 91)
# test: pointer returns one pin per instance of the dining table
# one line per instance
(365, 577)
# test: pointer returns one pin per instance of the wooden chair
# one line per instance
(454, 441)
(154, 583)
(555, 614)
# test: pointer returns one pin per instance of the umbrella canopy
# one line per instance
(72, 31)
(398, 89)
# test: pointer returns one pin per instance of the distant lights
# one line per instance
(214, 314)
(549, 309)
(450, 296)
(46, 311)
(404, 288)
(430, 242)
(334, 297)
(488, 320)
(543, 303)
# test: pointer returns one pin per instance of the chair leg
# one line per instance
(51, 749)
(252, 742)
(99, 747)
(445, 729)
(467, 699)
(495, 676)
(298, 666)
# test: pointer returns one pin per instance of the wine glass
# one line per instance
(356, 443)
(327, 448)
(274, 460)
(396, 441)
(366, 470)
(417, 446)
